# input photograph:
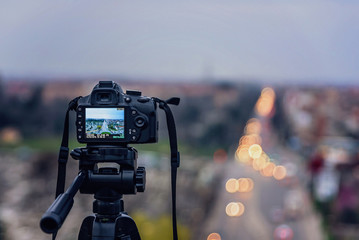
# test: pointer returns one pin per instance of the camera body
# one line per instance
(110, 116)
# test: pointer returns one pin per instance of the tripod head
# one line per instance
(107, 120)
(110, 167)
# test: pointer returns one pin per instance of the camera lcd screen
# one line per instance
(108, 123)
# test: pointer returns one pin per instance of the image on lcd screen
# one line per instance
(106, 123)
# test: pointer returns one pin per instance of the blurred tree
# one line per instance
(159, 228)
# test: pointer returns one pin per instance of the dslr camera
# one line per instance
(108, 115)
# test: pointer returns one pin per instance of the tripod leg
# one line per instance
(93, 228)
(86, 228)
(126, 228)
(103, 229)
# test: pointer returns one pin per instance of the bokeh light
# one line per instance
(250, 184)
(245, 184)
(260, 163)
(279, 172)
(232, 185)
(283, 232)
(242, 154)
(268, 169)
(10, 135)
(255, 151)
(253, 127)
(220, 156)
(214, 236)
(268, 93)
(250, 139)
(265, 103)
(235, 209)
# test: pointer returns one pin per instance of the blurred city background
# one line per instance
(268, 123)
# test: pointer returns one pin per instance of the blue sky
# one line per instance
(104, 113)
(273, 40)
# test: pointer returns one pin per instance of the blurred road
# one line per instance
(258, 222)
(271, 203)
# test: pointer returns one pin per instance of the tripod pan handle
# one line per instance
(53, 218)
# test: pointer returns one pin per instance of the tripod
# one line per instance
(108, 183)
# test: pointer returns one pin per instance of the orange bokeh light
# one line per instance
(264, 107)
(245, 185)
(253, 126)
(232, 185)
(214, 236)
(267, 171)
(279, 172)
(242, 154)
(265, 103)
(259, 163)
(268, 92)
(250, 139)
(253, 120)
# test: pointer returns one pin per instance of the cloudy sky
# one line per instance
(275, 40)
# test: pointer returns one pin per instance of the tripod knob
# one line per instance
(140, 179)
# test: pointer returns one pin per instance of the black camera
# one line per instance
(108, 115)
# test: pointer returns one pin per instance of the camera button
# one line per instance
(134, 112)
(140, 122)
(133, 93)
(143, 99)
(128, 99)
(134, 138)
